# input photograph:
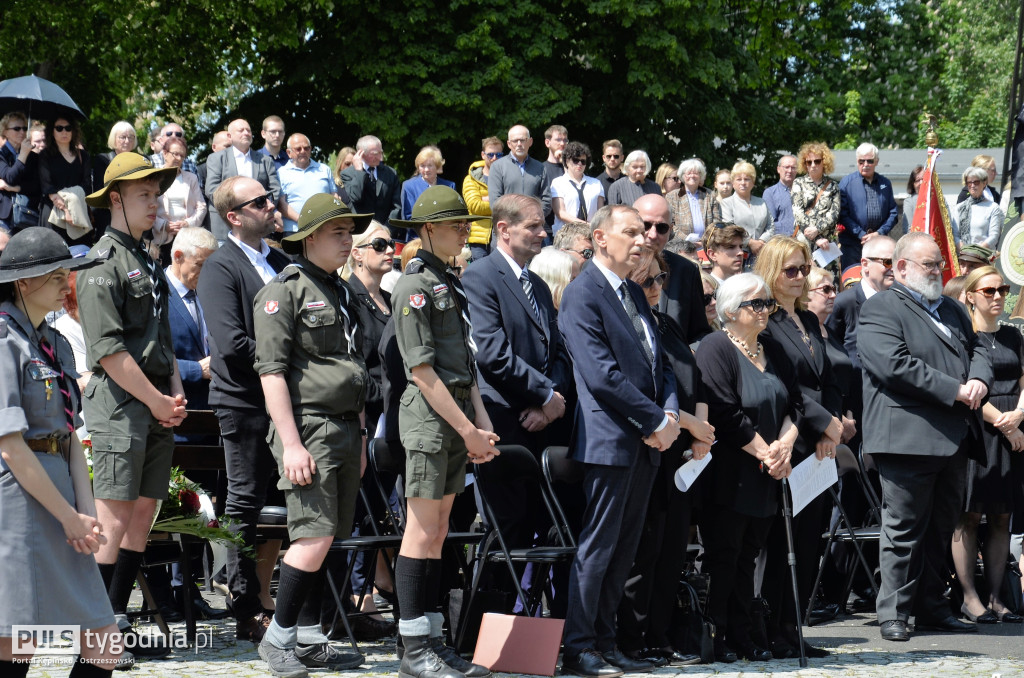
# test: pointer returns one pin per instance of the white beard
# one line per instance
(918, 280)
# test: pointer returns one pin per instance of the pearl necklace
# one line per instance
(742, 344)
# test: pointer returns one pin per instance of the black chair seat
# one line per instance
(464, 537)
(273, 515)
(537, 554)
(369, 541)
(873, 533)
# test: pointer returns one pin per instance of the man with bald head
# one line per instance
(518, 173)
(173, 129)
(302, 178)
(239, 159)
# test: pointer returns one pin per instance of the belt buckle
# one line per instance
(54, 444)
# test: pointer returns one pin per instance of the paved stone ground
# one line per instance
(857, 651)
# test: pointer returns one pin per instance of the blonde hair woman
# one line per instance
(746, 210)
(429, 164)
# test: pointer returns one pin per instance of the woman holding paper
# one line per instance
(816, 196)
(785, 264)
(755, 406)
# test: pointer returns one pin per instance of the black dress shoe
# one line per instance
(782, 649)
(170, 614)
(203, 610)
(723, 653)
(589, 664)
(950, 624)
(676, 658)
(615, 657)
(895, 630)
(753, 653)
(652, 655)
(823, 613)
(368, 628)
(1008, 617)
(986, 617)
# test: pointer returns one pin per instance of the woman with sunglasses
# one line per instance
(784, 263)
(821, 297)
(61, 165)
(754, 405)
(19, 175)
(710, 303)
(978, 220)
(575, 196)
(816, 196)
(990, 488)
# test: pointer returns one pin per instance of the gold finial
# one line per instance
(931, 139)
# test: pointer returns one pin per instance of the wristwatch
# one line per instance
(365, 432)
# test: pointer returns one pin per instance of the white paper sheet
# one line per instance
(688, 472)
(825, 257)
(810, 478)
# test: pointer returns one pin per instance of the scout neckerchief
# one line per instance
(46, 348)
(462, 306)
(341, 292)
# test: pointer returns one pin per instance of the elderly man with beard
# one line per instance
(925, 376)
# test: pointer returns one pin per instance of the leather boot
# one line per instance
(452, 658)
(420, 661)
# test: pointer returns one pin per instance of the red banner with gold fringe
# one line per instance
(932, 216)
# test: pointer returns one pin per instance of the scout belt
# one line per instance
(460, 392)
(49, 445)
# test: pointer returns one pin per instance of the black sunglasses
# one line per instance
(659, 279)
(791, 271)
(881, 260)
(378, 244)
(17, 128)
(660, 226)
(174, 134)
(759, 305)
(259, 202)
(708, 298)
(826, 289)
(585, 253)
(990, 292)
(613, 156)
(63, 128)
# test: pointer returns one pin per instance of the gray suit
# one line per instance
(507, 178)
(221, 165)
(919, 436)
(384, 202)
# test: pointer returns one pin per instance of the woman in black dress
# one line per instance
(62, 164)
(990, 488)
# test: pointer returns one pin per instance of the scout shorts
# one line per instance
(131, 451)
(435, 454)
(325, 507)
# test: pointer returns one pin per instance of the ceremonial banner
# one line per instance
(932, 216)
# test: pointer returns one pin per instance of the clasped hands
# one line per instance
(1008, 424)
(535, 419)
(831, 437)
(776, 459)
(972, 393)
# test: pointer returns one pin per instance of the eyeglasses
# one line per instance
(672, 178)
(929, 265)
(760, 305)
(658, 280)
(881, 260)
(259, 202)
(578, 161)
(826, 289)
(865, 161)
(494, 156)
(791, 271)
(517, 141)
(990, 292)
(812, 162)
(62, 128)
(708, 298)
(378, 244)
(17, 128)
(974, 182)
(459, 226)
(585, 253)
(612, 156)
(660, 226)
(174, 134)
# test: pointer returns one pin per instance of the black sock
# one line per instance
(432, 586)
(14, 669)
(292, 590)
(410, 578)
(309, 613)
(107, 572)
(83, 669)
(126, 569)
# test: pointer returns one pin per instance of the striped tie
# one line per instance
(51, 356)
(155, 275)
(463, 303)
(524, 279)
(350, 325)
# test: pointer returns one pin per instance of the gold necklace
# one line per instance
(742, 344)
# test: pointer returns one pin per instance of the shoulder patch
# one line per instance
(417, 300)
(415, 266)
(271, 307)
(290, 272)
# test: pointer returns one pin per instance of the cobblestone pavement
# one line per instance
(857, 651)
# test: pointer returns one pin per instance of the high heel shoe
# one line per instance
(1007, 617)
(986, 617)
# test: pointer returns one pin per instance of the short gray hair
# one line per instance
(978, 173)
(907, 243)
(694, 164)
(368, 141)
(191, 239)
(639, 155)
(867, 149)
(555, 268)
(124, 127)
(735, 290)
(874, 246)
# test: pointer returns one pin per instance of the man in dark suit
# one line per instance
(231, 278)
(876, 276)
(220, 141)
(373, 187)
(925, 375)
(867, 208)
(682, 299)
(626, 414)
(239, 160)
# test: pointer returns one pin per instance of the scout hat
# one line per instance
(437, 204)
(129, 167)
(316, 212)
(978, 254)
(36, 251)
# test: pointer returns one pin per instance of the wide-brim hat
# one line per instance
(36, 251)
(437, 204)
(316, 212)
(130, 167)
(978, 254)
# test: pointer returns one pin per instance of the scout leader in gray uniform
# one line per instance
(47, 516)
(134, 397)
(441, 419)
(314, 380)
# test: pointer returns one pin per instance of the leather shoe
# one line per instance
(723, 653)
(949, 624)
(170, 614)
(203, 610)
(782, 649)
(589, 664)
(753, 653)
(986, 617)
(651, 655)
(676, 658)
(615, 657)
(1008, 617)
(895, 630)
(368, 628)
(252, 628)
(823, 613)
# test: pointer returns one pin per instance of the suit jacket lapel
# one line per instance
(791, 334)
(178, 306)
(929, 320)
(515, 287)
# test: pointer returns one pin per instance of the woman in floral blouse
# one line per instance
(816, 196)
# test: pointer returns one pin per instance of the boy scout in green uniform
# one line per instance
(314, 381)
(441, 421)
(134, 397)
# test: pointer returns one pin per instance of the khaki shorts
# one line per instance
(131, 451)
(435, 454)
(325, 507)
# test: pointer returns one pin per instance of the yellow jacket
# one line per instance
(474, 190)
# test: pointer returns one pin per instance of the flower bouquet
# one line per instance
(187, 510)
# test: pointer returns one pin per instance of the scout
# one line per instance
(441, 420)
(314, 380)
(134, 397)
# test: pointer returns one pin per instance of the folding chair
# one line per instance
(516, 464)
(843, 531)
(559, 467)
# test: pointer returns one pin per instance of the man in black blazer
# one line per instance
(231, 278)
(372, 186)
(683, 296)
(876, 276)
(925, 375)
(239, 159)
(627, 413)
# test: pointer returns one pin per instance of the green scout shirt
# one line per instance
(429, 323)
(306, 327)
(115, 308)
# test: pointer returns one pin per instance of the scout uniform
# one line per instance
(42, 579)
(123, 307)
(306, 328)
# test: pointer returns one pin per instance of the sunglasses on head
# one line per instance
(655, 280)
(759, 305)
(378, 244)
(791, 271)
(259, 202)
(659, 226)
(17, 128)
(990, 292)
(62, 128)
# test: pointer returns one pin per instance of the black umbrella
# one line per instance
(37, 98)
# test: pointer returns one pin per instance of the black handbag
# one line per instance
(23, 215)
(692, 631)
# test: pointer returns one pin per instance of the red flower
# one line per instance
(189, 502)
(213, 523)
(840, 228)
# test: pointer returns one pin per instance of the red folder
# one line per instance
(512, 644)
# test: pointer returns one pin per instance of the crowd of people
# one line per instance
(638, 322)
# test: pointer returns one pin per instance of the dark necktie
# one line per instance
(524, 279)
(349, 325)
(581, 212)
(370, 177)
(463, 303)
(197, 317)
(154, 275)
(51, 357)
(634, 318)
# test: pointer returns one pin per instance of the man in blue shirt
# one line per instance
(273, 138)
(867, 207)
(301, 178)
(779, 197)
